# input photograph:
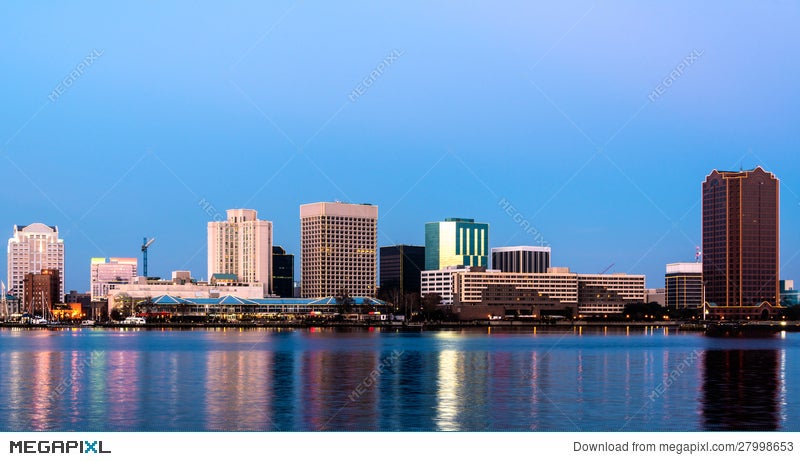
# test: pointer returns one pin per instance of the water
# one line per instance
(471, 380)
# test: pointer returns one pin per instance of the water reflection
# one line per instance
(589, 380)
(235, 391)
(740, 390)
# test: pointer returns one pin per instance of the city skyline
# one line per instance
(553, 125)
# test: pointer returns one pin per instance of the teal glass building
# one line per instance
(456, 242)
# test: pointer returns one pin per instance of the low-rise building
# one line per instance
(603, 294)
(440, 281)
(481, 295)
(656, 295)
(789, 296)
(182, 286)
(478, 295)
(234, 308)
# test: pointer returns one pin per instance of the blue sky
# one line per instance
(461, 105)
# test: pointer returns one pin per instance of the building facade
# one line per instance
(401, 268)
(478, 294)
(32, 248)
(41, 292)
(741, 240)
(440, 282)
(282, 273)
(338, 249)
(107, 272)
(684, 285)
(526, 259)
(486, 294)
(602, 294)
(242, 245)
(656, 295)
(182, 285)
(84, 300)
(456, 242)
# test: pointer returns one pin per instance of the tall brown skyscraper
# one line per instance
(741, 238)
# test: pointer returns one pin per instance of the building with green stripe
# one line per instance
(456, 242)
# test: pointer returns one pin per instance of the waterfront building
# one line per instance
(526, 259)
(789, 296)
(479, 294)
(181, 285)
(234, 308)
(684, 285)
(10, 305)
(241, 245)
(741, 243)
(656, 295)
(338, 249)
(441, 282)
(602, 294)
(84, 300)
(41, 292)
(456, 242)
(401, 268)
(107, 272)
(282, 272)
(32, 248)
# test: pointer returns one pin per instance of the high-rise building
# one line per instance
(282, 272)
(401, 266)
(741, 240)
(524, 259)
(32, 248)
(339, 243)
(105, 273)
(456, 242)
(41, 292)
(242, 245)
(684, 285)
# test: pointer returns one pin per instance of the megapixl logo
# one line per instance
(57, 446)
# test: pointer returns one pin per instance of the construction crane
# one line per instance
(607, 268)
(145, 244)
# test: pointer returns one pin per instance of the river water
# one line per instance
(637, 379)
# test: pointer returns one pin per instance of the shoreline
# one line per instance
(789, 326)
